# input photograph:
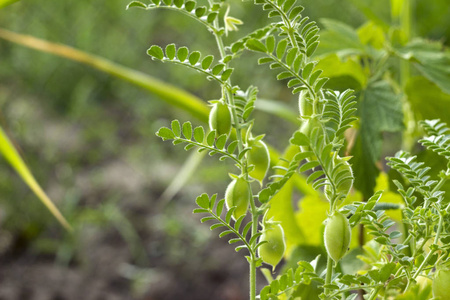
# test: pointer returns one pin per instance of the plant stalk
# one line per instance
(229, 94)
(252, 263)
(355, 288)
(329, 273)
(252, 279)
(430, 254)
(374, 294)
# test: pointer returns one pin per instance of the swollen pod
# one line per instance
(238, 194)
(220, 118)
(337, 236)
(273, 251)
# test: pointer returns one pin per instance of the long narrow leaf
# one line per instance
(167, 92)
(13, 157)
(4, 3)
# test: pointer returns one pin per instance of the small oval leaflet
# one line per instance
(156, 52)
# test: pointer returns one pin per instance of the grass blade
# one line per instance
(4, 3)
(167, 92)
(13, 157)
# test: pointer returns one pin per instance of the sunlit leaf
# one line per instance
(430, 60)
(339, 38)
(12, 156)
(427, 100)
(4, 3)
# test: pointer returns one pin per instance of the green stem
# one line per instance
(210, 27)
(438, 232)
(405, 73)
(252, 279)
(286, 22)
(430, 254)
(406, 19)
(422, 265)
(354, 288)
(408, 238)
(230, 97)
(407, 250)
(405, 23)
(329, 273)
(421, 245)
(374, 294)
(294, 43)
(444, 178)
(252, 263)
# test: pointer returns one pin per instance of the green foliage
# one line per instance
(196, 137)
(203, 14)
(245, 102)
(304, 274)
(419, 88)
(380, 111)
(291, 46)
(333, 112)
(388, 59)
(182, 56)
(375, 61)
(438, 140)
(291, 54)
(208, 205)
(430, 60)
(339, 38)
(290, 64)
(380, 61)
(339, 111)
(169, 93)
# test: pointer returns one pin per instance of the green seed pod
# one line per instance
(238, 194)
(337, 236)
(260, 158)
(344, 170)
(273, 251)
(220, 118)
(305, 104)
(441, 284)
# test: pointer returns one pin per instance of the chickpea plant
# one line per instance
(394, 261)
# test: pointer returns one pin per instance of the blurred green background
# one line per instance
(89, 139)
